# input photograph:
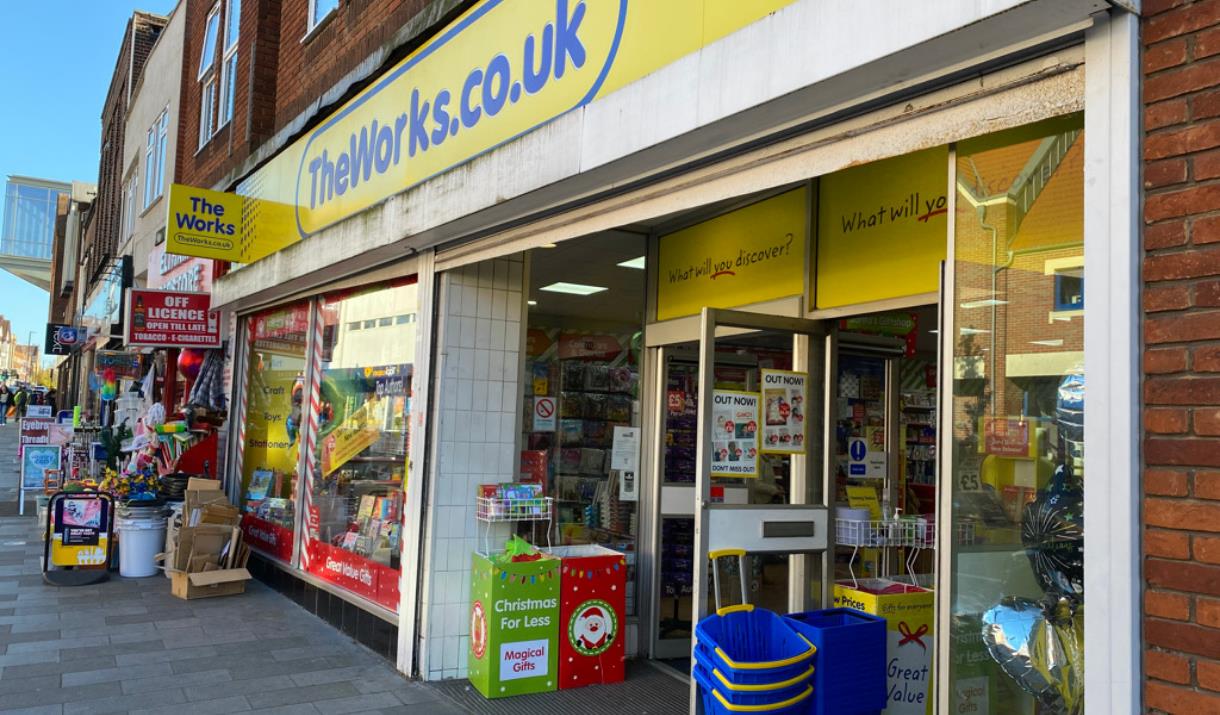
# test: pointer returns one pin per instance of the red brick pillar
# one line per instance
(1181, 413)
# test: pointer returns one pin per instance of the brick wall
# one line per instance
(138, 37)
(282, 73)
(1181, 273)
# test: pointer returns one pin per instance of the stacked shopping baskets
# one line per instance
(749, 659)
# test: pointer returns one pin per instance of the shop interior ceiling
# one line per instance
(593, 261)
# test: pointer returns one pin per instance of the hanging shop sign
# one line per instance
(751, 255)
(903, 325)
(168, 319)
(63, 339)
(882, 229)
(784, 396)
(734, 439)
(500, 70)
(124, 364)
(102, 316)
(205, 223)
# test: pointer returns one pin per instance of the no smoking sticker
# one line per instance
(544, 414)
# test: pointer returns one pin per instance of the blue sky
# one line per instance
(58, 57)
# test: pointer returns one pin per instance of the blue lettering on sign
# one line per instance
(858, 450)
(429, 121)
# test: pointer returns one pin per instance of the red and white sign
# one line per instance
(168, 319)
(1007, 437)
(544, 414)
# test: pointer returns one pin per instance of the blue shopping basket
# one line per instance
(748, 649)
(851, 677)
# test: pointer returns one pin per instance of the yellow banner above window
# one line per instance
(882, 229)
(501, 70)
(750, 255)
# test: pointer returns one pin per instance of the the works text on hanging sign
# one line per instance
(170, 319)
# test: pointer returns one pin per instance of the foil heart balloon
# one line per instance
(1040, 645)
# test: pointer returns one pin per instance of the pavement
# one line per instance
(128, 646)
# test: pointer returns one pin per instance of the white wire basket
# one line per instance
(902, 533)
(495, 510)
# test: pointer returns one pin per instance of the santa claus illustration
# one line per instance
(592, 629)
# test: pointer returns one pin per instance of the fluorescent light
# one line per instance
(934, 331)
(636, 263)
(974, 331)
(532, 302)
(547, 245)
(987, 303)
(572, 288)
(1058, 342)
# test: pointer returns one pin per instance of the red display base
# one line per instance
(369, 579)
(592, 622)
(268, 537)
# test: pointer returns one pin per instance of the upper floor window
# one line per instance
(319, 9)
(207, 57)
(228, 68)
(129, 206)
(207, 76)
(154, 158)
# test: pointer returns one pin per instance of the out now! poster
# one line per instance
(785, 394)
(735, 418)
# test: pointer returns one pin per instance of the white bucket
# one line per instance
(140, 540)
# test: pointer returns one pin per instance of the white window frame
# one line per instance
(154, 159)
(311, 22)
(207, 76)
(228, 61)
(129, 205)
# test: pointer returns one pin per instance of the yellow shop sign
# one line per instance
(501, 70)
(751, 255)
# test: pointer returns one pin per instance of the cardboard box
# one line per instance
(208, 584)
(514, 614)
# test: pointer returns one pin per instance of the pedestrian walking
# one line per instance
(19, 401)
(4, 395)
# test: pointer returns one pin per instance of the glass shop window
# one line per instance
(274, 394)
(355, 519)
(1017, 575)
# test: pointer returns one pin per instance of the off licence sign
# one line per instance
(171, 319)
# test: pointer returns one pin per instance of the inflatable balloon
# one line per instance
(1041, 647)
(189, 362)
(1052, 531)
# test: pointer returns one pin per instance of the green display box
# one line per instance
(514, 616)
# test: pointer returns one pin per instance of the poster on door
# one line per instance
(784, 396)
(735, 435)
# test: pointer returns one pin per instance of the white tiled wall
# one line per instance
(476, 406)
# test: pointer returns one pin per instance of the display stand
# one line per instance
(496, 510)
(911, 535)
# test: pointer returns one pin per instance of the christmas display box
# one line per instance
(593, 580)
(514, 616)
(908, 611)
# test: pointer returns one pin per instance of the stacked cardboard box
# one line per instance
(208, 557)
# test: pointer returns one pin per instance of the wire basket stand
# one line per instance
(908, 534)
(498, 510)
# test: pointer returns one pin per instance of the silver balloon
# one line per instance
(1040, 646)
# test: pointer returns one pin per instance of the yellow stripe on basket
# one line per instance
(758, 688)
(747, 607)
(762, 708)
(763, 664)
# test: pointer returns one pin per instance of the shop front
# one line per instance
(853, 345)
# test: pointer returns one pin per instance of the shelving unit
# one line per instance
(497, 510)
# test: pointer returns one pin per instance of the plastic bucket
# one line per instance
(140, 540)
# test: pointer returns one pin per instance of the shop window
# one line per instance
(355, 522)
(582, 360)
(1018, 458)
(275, 397)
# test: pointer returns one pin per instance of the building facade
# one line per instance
(551, 234)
